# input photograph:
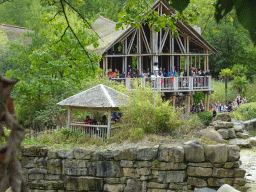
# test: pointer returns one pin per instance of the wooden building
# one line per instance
(140, 47)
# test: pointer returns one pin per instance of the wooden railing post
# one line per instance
(158, 83)
(175, 83)
(128, 83)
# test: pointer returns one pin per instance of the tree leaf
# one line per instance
(179, 5)
(246, 14)
(223, 7)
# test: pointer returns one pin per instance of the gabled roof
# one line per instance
(100, 96)
(109, 36)
(107, 33)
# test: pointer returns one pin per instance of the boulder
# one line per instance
(238, 128)
(223, 117)
(224, 133)
(232, 133)
(227, 188)
(222, 124)
(216, 153)
(233, 153)
(252, 141)
(80, 153)
(211, 134)
(194, 152)
(240, 142)
(65, 154)
(125, 154)
(242, 135)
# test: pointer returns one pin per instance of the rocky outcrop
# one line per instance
(223, 117)
(147, 169)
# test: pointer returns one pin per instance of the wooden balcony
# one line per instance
(168, 84)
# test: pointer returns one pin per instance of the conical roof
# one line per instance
(100, 96)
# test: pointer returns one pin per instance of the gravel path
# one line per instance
(248, 158)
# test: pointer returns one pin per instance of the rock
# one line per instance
(37, 171)
(199, 171)
(222, 125)
(252, 141)
(34, 151)
(83, 184)
(217, 182)
(223, 117)
(54, 166)
(232, 133)
(126, 163)
(114, 188)
(122, 180)
(52, 155)
(141, 164)
(239, 173)
(174, 154)
(143, 171)
(156, 185)
(227, 188)
(238, 129)
(80, 153)
(179, 186)
(104, 169)
(242, 135)
(205, 189)
(216, 153)
(171, 176)
(240, 143)
(211, 134)
(102, 155)
(233, 153)
(224, 133)
(197, 182)
(240, 181)
(65, 154)
(133, 186)
(125, 154)
(147, 153)
(129, 172)
(194, 152)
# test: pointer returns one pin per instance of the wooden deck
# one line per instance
(168, 84)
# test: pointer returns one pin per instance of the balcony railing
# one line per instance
(169, 84)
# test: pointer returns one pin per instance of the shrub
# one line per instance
(140, 112)
(205, 117)
(245, 112)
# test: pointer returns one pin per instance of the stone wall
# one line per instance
(139, 169)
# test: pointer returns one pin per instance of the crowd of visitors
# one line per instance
(162, 73)
(231, 106)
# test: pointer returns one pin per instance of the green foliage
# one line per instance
(197, 97)
(205, 117)
(140, 112)
(245, 112)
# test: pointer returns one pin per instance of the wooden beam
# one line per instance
(164, 40)
(68, 125)
(131, 42)
(109, 124)
(152, 54)
(146, 41)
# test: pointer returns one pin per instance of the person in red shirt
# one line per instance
(87, 121)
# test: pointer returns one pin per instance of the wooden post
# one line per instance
(199, 61)
(68, 118)
(208, 101)
(104, 66)
(187, 56)
(207, 60)
(188, 108)
(125, 58)
(195, 62)
(205, 101)
(204, 61)
(174, 98)
(109, 124)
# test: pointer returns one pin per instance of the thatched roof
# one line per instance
(107, 33)
(109, 36)
(99, 96)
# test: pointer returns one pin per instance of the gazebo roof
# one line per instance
(100, 96)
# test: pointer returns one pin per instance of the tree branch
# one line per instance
(62, 35)
(69, 26)
(55, 15)
(81, 16)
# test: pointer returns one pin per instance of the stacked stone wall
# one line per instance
(139, 169)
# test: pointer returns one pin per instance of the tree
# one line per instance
(226, 73)
(240, 83)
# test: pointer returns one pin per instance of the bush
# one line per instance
(140, 112)
(205, 117)
(245, 112)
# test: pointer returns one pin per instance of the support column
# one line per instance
(139, 51)
(205, 101)
(68, 125)
(204, 61)
(109, 124)
(188, 108)
(104, 66)
(208, 101)
(199, 62)
(207, 61)
(125, 58)
(195, 62)
(187, 56)
(154, 44)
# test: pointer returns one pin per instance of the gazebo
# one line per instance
(98, 98)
